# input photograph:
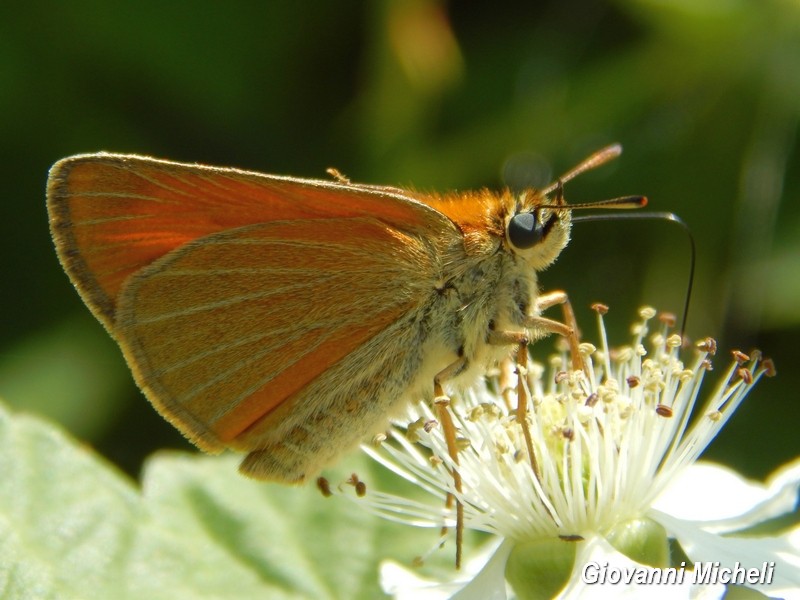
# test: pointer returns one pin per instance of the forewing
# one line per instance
(224, 329)
(112, 215)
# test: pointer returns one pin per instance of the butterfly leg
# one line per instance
(507, 338)
(568, 329)
(441, 401)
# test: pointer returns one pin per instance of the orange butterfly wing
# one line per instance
(229, 291)
(112, 214)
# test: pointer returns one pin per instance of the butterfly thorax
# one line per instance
(489, 284)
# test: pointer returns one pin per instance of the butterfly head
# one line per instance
(539, 228)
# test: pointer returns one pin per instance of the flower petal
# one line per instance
(749, 552)
(490, 582)
(721, 500)
(482, 578)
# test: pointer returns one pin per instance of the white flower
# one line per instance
(595, 480)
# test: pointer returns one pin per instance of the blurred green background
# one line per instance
(704, 96)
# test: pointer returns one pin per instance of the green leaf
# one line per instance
(73, 527)
(66, 519)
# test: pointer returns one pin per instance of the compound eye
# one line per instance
(525, 230)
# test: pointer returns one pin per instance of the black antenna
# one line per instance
(597, 159)
(661, 216)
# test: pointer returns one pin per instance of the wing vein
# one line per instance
(230, 301)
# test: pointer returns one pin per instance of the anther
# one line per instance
(769, 367)
(412, 431)
(667, 319)
(647, 312)
(708, 345)
(662, 410)
(674, 341)
(324, 486)
(740, 357)
(360, 486)
(745, 374)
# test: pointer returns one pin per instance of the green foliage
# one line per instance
(72, 526)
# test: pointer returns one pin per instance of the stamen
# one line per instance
(575, 450)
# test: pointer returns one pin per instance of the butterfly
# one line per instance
(289, 318)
